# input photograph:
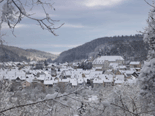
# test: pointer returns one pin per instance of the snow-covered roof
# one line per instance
(134, 63)
(13, 74)
(21, 63)
(107, 78)
(80, 70)
(93, 73)
(127, 71)
(119, 77)
(48, 82)
(55, 81)
(80, 80)
(66, 63)
(68, 73)
(77, 73)
(33, 62)
(133, 77)
(122, 67)
(131, 81)
(41, 77)
(119, 81)
(73, 76)
(100, 60)
(25, 62)
(20, 73)
(109, 70)
(48, 76)
(99, 68)
(98, 80)
(114, 65)
(29, 77)
(6, 64)
(73, 82)
(50, 64)
(86, 72)
(133, 69)
(64, 80)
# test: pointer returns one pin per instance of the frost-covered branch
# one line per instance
(147, 75)
(124, 109)
(49, 98)
(13, 11)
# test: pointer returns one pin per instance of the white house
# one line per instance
(119, 79)
(98, 82)
(80, 80)
(73, 82)
(136, 64)
(104, 61)
(48, 82)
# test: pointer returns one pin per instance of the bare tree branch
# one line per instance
(124, 109)
(149, 4)
(53, 99)
(18, 12)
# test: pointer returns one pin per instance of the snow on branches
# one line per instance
(147, 76)
(149, 34)
(13, 11)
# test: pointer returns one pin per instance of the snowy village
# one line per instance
(107, 71)
(77, 57)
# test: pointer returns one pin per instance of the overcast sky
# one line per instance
(84, 20)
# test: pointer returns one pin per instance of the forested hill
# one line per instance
(130, 47)
(11, 53)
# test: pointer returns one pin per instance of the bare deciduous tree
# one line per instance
(13, 11)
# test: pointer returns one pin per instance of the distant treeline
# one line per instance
(130, 47)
